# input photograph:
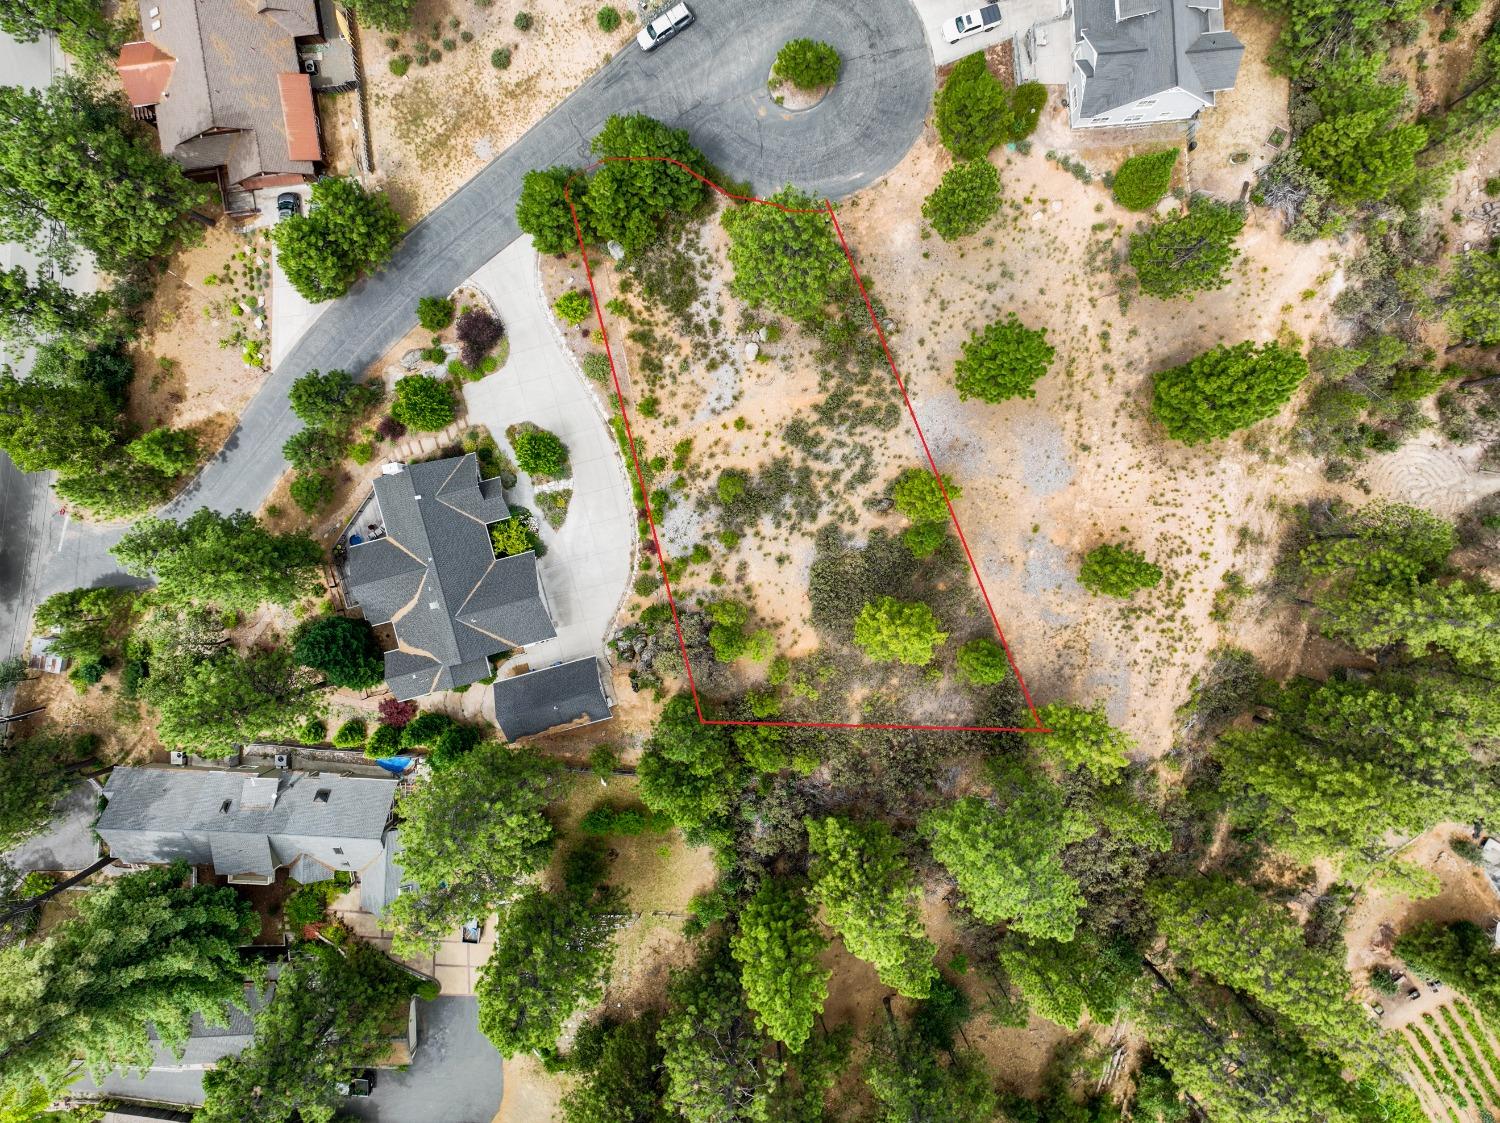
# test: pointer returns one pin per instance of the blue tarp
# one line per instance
(396, 764)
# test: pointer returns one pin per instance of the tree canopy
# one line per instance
(343, 648)
(790, 261)
(542, 211)
(1084, 738)
(964, 200)
(1143, 181)
(1187, 252)
(628, 198)
(346, 231)
(893, 631)
(1473, 305)
(1003, 361)
(688, 771)
(1227, 388)
(34, 772)
(1117, 571)
(468, 837)
(973, 109)
(777, 948)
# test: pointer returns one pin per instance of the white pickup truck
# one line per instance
(664, 26)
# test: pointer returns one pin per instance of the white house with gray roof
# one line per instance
(430, 571)
(247, 824)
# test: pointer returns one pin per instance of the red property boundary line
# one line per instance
(827, 208)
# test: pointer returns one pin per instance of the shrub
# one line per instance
(973, 109)
(1187, 252)
(967, 198)
(479, 333)
(540, 453)
(308, 904)
(500, 58)
(596, 367)
(1026, 103)
(396, 713)
(611, 819)
(514, 535)
(389, 429)
(1143, 181)
(424, 730)
(1004, 361)
(311, 491)
(343, 649)
(1383, 980)
(1117, 571)
(384, 741)
(400, 65)
(1225, 389)
(423, 404)
(608, 18)
(889, 630)
(918, 497)
(523, 21)
(434, 313)
(573, 307)
(982, 662)
(807, 64)
(350, 734)
(314, 731)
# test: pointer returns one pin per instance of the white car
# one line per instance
(664, 26)
(976, 22)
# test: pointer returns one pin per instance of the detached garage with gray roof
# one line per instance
(430, 572)
(567, 696)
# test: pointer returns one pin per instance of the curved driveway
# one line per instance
(711, 81)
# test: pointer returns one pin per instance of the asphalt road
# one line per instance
(710, 80)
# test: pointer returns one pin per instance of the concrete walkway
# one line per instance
(587, 565)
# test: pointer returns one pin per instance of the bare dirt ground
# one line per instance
(439, 124)
(185, 377)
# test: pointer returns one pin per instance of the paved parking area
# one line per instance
(1017, 16)
(455, 1076)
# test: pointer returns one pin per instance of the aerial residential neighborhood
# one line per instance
(919, 561)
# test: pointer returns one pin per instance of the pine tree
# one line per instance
(777, 947)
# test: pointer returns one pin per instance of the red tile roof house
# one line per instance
(223, 81)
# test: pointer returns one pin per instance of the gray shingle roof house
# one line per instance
(567, 695)
(225, 84)
(1136, 62)
(433, 576)
(248, 824)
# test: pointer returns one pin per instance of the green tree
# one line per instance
(36, 311)
(1227, 388)
(777, 946)
(347, 231)
(86, 623)
(42, 427)
(628, 199)
(1003, 361)
(807, 64)
(34, 772)
(1117, 571)
(918, 497)
(1473, 303)
(1460, 954)
(909, 1083)
(313, 449)
(1143, 181)
(332, 401)
(228, 560)
(423, 404)
(1008, 862)
(311, 491)
(542, 210)
(1187, 252)
(1227, 931)
(118, 486)
(384, 15)
(888, 630)
(967, 197)
(540, 453)
(145, 951)
(172, 452)
(1360, 148)
(212, 703)
(714, 1055)
(870, 898)
(983, 662)
(624, 1084)
(786, 258)
(973, 109)
(333, 1012)
(1061, 980)
(82, 30)
(342, 648)
(75, 172)
(552, 953)
(688, 771)
(435, 313)
(1084, 738)
(468, 837)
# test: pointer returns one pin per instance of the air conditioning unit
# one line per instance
(309, 66)
(283, 760)
(179, 758)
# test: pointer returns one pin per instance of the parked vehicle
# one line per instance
(664, 26)
(977, 22)
(288, 203)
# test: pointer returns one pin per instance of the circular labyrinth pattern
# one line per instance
(1435, 479)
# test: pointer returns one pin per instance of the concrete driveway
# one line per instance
(587, 564)
(935, 13)
(455, 1076)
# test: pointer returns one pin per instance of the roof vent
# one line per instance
(224, 807)
(322, 794)
(156, 25)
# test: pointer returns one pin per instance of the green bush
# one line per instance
(596, 367)
(314, 731)
(384, 741)
(540, 453)
(573, 307)
(1143, 181)
(351, 734)
(807, 64)
(424, 730)
(608, 18)
(434, 313)
(311, 491)
(612, 819)
(308, 904)
(1026, 103)
(967, 198)
(1003, 361)
(423, 404)
(523, 21)
(500, 58)
(982, 662)
(400, 65)
(1117, 571)
(973, 109)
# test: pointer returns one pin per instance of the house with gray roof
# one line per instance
(566, 696)
(429, 570)
(1138, 62)
(247, 824)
